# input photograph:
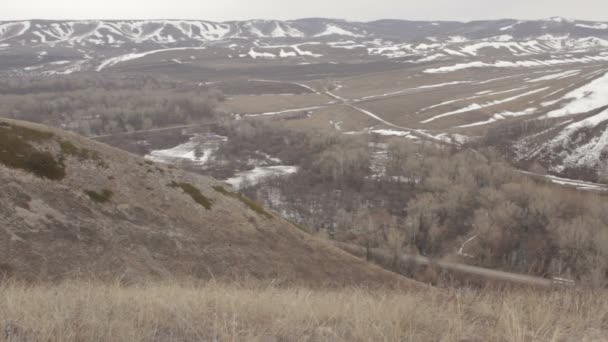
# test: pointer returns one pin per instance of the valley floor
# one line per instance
(77, 311)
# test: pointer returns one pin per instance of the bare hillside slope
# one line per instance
(71, 207)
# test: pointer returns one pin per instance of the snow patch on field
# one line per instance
(480, 94)
(494, 118)
(131, 56)
(596, 26)
(500, 116)
(305, 53)
(69, 68)
(558, 76)
(550, 103)
(294, 47)
(280, 32)
(516, 64)
(475, 106)
(260, 173)
(284, 54)
(394, 133)
(457, 39)
(198, 151)
(580, 185)
(253, 54)
(306, 109)
(448, 138)
(181, 152)
(454, 52)
(12, 30)
(442, 84)
(411, 89)
(513, 47)
(331, 29)
(348, 45)
(505, 28)
(584, 99)
(430, 58)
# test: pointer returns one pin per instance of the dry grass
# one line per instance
(77, 311)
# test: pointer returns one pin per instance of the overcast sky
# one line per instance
(364, 10)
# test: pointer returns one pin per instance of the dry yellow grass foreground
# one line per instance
(79, 311)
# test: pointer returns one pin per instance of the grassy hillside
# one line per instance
(74, 208)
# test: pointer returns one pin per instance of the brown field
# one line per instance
(77, 311)
(348, 119)
(411, 105)
(256, 104)
(396, 97)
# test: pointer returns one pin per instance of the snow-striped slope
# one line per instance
(580, 141)
(444, 48)
(98, 32)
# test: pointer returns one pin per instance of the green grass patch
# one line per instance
(245, 200)
(28, 134)
(69, 149)
(17, 152)
(195, 193)
(100, 197)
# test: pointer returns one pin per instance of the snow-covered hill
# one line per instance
(97, 45)
(116, 33)
(97, 32)
(579, 141)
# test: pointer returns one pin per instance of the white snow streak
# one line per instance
(131, 56)
(589, 97)
(475, 106)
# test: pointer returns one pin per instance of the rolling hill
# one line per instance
(63, 47)
(74, 208)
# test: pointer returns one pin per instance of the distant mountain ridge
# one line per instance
(39, 47)
(116, 32)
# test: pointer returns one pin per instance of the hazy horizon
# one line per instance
(356, 10)
(291, 19)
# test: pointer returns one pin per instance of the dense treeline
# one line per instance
(477, 206)
(58, 84)
(430, 200)
(96, 106)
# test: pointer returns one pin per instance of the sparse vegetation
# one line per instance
(251, 204)
(195, 193)
(104, 196)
